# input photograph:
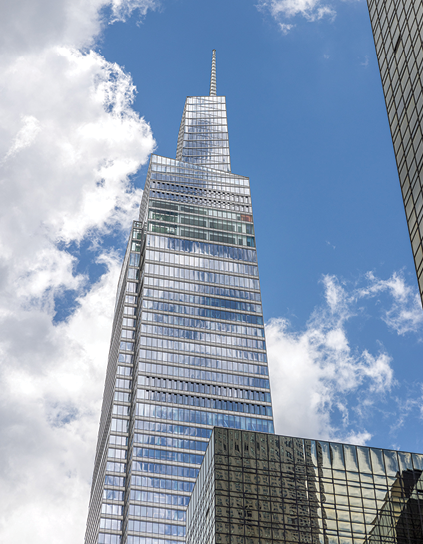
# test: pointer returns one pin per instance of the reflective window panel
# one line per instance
(256, 488)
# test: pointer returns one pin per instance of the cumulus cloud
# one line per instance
(70, 142)
(283, 10)
(26, 135)
(322, 384)
(50, 400)
(405, 314)
(30, 26)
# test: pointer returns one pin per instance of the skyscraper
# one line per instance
(397, 30)
(255, 488)
(188, 349)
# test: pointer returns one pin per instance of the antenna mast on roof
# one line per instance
(213, 75)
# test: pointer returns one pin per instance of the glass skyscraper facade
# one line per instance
(188, 349)
(255, 488)
(397, 30)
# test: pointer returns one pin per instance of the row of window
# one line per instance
(119, 425)
(206, 113)
(178, 358)
(129, 321)
(133, 274)
(201, 262)
(202, 300)
(161, 181)
(372, 467)
(117, 453)
(120, 410)
(204, 221)
(123, 384)
(209, 148)
(129, 310)
(168, 442)
(109, 523)
(166, 470)
(203, 289)
(215, 377)
(124, 371)
(113, 495)
(212, 212)
(157, 426)
(131, 287)
(204, 402)
(205, 135)
(209, 143)
(112, 509)
(201, 248)
(197, 336)
(106, 538)
(207, 106)
(205, 201)
(115, 467)
(194, 178)
(228, 201)
(219, 160)
(126, 346)
(202, 324)
(117, 440)
(201, 234)
(203, 312)
(166, 455)
(156, 528)
(209, 101)
(212, 121)
(115, 481)
(132, 539)
(202, 349)
(162, 483)
(197, 276)
(161, 498)
(187, 415)
(208, 389)
(156, 513)
(134, 259)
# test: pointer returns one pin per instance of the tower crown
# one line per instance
(203, 135)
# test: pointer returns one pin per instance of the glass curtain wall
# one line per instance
(188, 348)
(397, 31)
(255, 488)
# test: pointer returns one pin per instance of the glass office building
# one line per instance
(397, 30)
(188, 348)
(255, 488)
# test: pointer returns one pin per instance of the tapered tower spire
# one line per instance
(213, 75)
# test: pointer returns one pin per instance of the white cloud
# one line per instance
(51, 388)
(283, 10)
(28, 26)
(285, 28)
(405, 315)
(25, 136)
(317, 373)
(69, 144)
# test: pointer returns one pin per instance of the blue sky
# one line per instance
(88, 92)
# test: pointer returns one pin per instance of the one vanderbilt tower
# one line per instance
(188, 350)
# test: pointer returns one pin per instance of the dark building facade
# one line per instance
(255, 488)
(397, 30)
(188, 350)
